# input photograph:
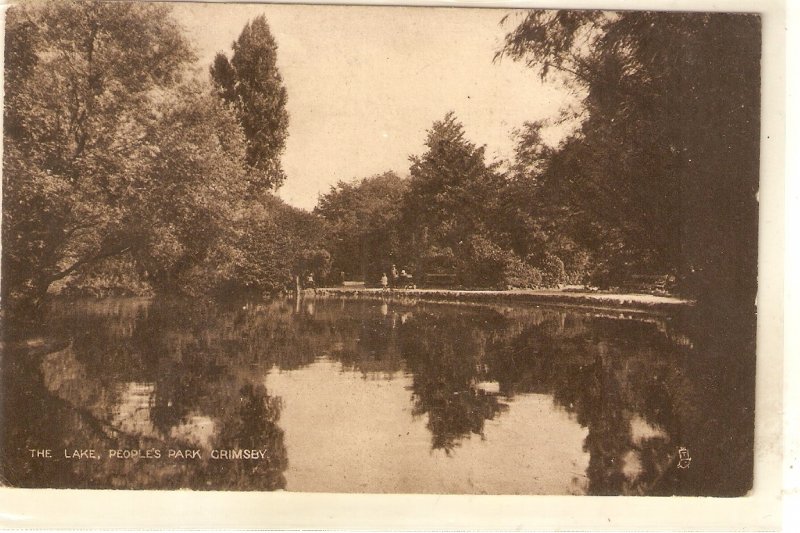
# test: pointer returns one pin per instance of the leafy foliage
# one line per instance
(250, 81)
(486, 264)
(114, 161)
(276, 243)
(451, 188)
(465, 216)
(113, 276)
(80, 122)
(120, 169)
(364, 225)
(662, 174)
(454, 215)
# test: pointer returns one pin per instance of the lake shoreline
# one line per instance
(585, 299)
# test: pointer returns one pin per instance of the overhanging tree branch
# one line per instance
(116, 250)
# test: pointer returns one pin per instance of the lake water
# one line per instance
(381, 396)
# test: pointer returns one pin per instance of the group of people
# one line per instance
(395, 280)
(402, 279)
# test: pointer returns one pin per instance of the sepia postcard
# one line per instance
(391, 267)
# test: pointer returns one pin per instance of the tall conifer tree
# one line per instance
(251, 82)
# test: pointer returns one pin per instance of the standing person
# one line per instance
(310, 282)
(384, 281)
(394, 276)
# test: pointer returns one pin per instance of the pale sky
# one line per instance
(365, 83)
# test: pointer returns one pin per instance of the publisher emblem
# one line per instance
(683, 458)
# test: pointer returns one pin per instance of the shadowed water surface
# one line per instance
(378, 396)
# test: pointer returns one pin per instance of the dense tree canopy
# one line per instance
(451, 187)
(84, 82)
(117, 166)
(663, 173)
(451, 212)
(660, 177)
(364, 225)
(449, 218)
(276, 243)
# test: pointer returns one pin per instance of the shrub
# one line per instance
(551, 267)
(553, 272)
(486, 264)
(482, 263)
(519, 274)
(576, 266)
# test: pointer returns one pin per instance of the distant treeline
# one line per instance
(124, 173)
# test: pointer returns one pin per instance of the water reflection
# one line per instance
(345, 433)
(380, 396)
(447, 359)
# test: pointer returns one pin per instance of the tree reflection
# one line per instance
(640, 388)
(447, 358)
(170, 368)
(369, 342)
(135, 374)
(641, 396)
(252, 426)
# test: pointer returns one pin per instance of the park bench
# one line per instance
(439, 279)
(647, 283)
